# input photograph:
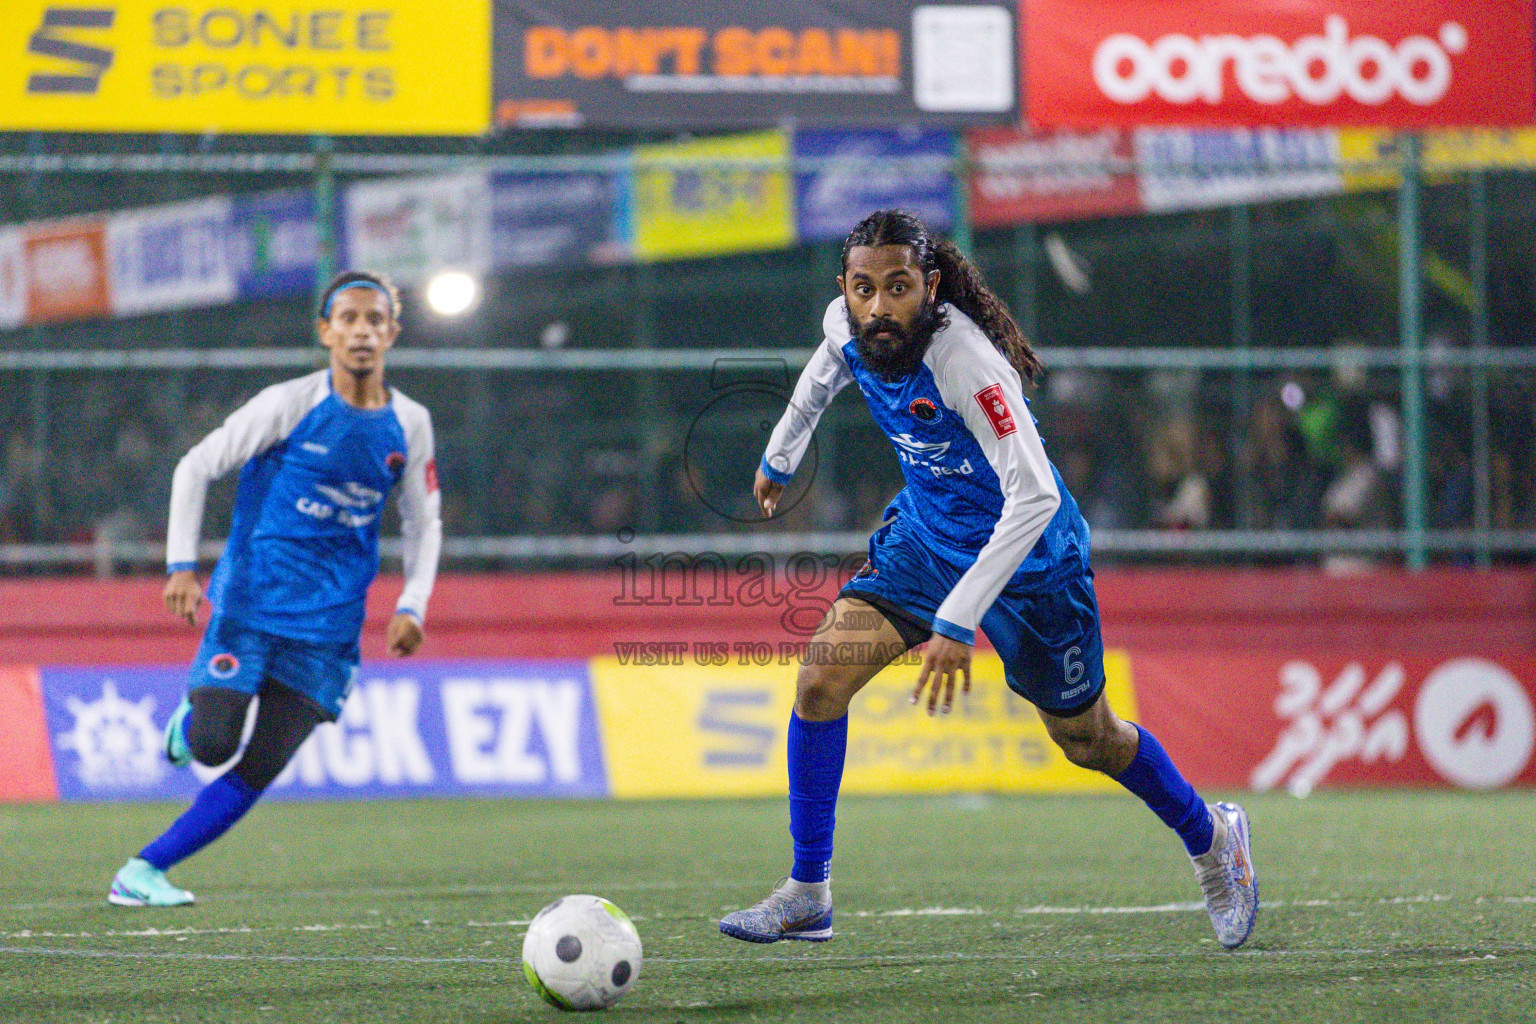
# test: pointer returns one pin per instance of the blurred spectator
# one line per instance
(1181, 495)
(1286, 485)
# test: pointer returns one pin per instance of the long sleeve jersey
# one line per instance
(980, 491)
(315, 473)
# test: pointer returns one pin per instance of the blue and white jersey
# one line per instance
(304, 543)
(980, 490)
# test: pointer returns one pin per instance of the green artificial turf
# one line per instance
(1389, 907)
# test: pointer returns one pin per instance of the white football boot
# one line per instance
(789, 912)
(1228, 878)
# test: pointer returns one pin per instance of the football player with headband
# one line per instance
(983, 536)
(318, 457)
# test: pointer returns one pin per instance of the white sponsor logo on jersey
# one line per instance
(928, 455)
(930, 449)
(352, 495)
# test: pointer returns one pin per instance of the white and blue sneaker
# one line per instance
(140, 884)
(1228, 878)
(794, 910)
(175, 742)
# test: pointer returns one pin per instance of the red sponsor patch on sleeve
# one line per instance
(998, 414)
(431, 474)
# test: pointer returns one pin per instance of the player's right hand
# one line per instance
(183, 595)
(766, 492)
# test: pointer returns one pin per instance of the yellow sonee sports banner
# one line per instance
(389, 67)
(699, 730)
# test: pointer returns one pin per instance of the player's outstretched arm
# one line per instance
(249, 430)
(825, 374)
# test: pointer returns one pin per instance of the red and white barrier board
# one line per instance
(1308, 718)
(1406, 63)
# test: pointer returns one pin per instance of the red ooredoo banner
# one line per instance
(1404, 63)
(1266, 721)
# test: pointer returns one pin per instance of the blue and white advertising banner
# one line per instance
(169, 257)
(491, 728)
(274, 243)
(546, 220)
(410, 228)
(1186, 169)
(873, 169)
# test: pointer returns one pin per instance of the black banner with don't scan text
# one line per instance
(677, 64)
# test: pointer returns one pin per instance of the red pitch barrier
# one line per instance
(575, 615)
(1257, 679)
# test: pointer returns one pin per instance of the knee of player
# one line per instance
(212, 744)
(817, 694)
(1087, 750)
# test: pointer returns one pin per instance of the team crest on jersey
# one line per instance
(924, 410)
(395, 462)
(998, 414)
(223, 666)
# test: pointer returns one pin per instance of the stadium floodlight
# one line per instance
(452, 293)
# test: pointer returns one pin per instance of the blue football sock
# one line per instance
(1153, 777)
(816, 753)
(221, 803)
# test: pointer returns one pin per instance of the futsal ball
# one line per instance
(581, 953)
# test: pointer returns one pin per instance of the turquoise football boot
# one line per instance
(176, 750)
(140, 884)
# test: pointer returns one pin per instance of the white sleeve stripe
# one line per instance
(421, 526)
(825, 374)
(979, 385)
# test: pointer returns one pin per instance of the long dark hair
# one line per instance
(960, 281)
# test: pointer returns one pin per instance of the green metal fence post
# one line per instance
(960, 178)
(1411, 329)
(1026, 249)
(325, 213)
(1241, 253)
(1481, 449)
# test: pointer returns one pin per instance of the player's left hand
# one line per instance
(944, 661)
(404, 635)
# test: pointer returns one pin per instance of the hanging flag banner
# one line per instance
(409, 228)
(1404, 63)
(13, 278)
(344, 67)
(712, 196)
(1022, 176)
(1182, 169)
(65, 263)
(674, 64)
(851, 173)
(274, 243)
(169, 257)
(543, 220)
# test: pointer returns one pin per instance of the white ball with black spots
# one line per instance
(581, 953)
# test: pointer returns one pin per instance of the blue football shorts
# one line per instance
(233, 656)
(1048, 638)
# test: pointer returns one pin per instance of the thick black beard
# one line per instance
(895, 357)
